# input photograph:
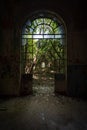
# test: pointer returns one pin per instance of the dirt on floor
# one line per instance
(43, 112)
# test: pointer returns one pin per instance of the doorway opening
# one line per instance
(43, 50)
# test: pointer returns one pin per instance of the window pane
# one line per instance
(26, 36)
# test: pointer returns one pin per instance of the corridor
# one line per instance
(43, 112)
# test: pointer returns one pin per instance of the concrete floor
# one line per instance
(43, 112)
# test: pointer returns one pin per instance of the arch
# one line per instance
(44, 43)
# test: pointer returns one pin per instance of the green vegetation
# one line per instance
(42, 46)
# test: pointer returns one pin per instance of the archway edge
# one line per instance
(45, 13)
(57, 18)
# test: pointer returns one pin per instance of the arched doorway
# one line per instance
(43, 50)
